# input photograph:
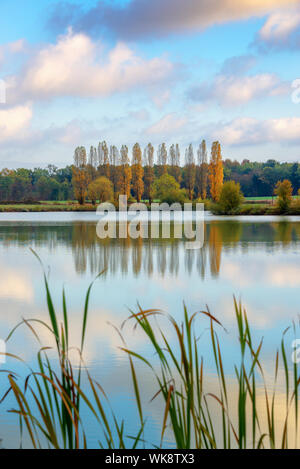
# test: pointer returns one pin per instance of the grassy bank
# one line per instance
(49, 401)
(47, 207)
(258, 209)
(247, 208)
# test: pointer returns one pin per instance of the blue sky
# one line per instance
(80, 72)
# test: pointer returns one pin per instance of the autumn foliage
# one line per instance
(139, 178)
(216, 173)
(137, 172)
(100, 190)
(284, 191)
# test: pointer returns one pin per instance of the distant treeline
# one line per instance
(37, 184)
(260, 179)
(136, 174)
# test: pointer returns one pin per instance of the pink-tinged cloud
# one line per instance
(167, 125)
(77, 66)
(281, 29)
(233, 90)
(14, 122)
(249, 131)
(11, 48)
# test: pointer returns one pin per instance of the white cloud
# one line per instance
(250, 131)
(162, 98)
(285, 275)
(280, 27)
(168, 124)
(16, 46)
(16, 286)
(14, 122)
(233, 90)
(77, 66)
(10, 49)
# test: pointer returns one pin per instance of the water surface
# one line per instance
(254, 258)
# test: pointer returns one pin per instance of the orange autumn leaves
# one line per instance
(137, 177)
(216, 173)
(137, 172)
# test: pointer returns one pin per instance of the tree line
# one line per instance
(141, 174)
(260, 179)
(107, 172)
(27, 185)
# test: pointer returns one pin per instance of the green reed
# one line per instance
(49, 400)
(190, 410)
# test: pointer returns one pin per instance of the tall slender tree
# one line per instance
(148, 171)
(103, 157)
(126, 175)
(216, 172)
(115, 169)
(80, 158)
(92, 163)
(174, 162)
(162, 159)
(137, 172)
(202, 171)
(80, 175)
(190, 171)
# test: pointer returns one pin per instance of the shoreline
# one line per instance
(245, 210)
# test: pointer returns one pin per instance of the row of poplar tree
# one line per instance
(135, 175)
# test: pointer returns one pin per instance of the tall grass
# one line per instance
(240, 414)
(49, 401)
(191, 411)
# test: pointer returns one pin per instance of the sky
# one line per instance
(126, 71)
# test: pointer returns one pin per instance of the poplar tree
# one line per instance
(125, 173)
(92, 163)
(148, 171)
(80, 174)
(115, 169)
(162, 159)
(103, 157)
(137, 172)
(202, 171)
(216, 173)
(174, 162)
(190, 171)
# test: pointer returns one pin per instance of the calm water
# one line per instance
(256, 259)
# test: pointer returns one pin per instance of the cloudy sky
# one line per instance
(137, 70)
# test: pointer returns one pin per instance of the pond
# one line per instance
(257, 259)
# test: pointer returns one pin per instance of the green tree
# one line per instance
(167, 189)
(100, 190)
(284, 192)
(21, 188)
(43, 187)
(231, 198)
